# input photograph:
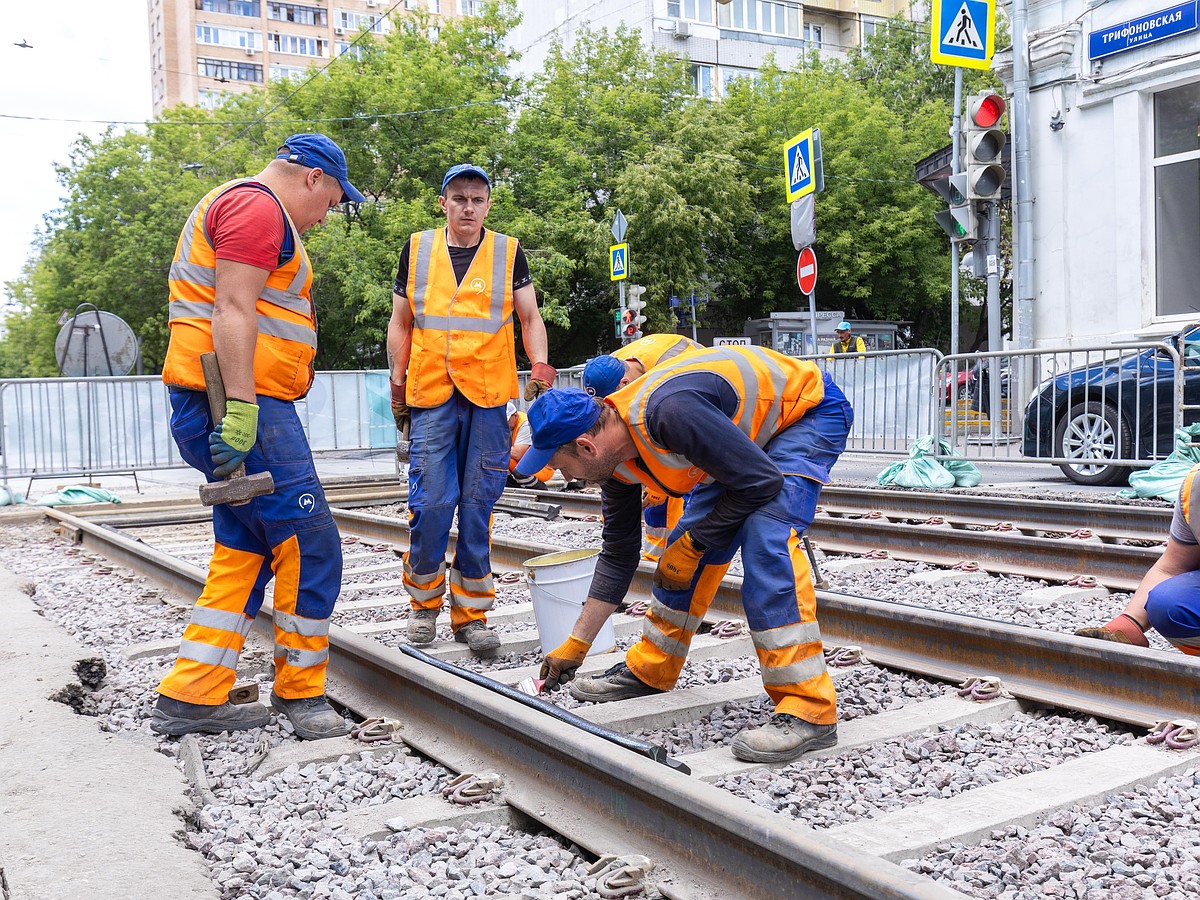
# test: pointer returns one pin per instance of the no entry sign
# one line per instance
(806, 270)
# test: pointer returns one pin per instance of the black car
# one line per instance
(1122, 408)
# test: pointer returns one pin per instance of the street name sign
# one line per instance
(1155, 26)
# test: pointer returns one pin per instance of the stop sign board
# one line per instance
(806, 270)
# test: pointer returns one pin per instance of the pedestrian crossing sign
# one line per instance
(618, 262)
(963, 33)
(798, 160)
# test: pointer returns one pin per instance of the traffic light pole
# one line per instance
(621, 312)
(955, 169)
(992, 257)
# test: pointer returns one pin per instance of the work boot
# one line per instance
(422, 626)
(618, 683)
(782, 739)
(175, 717)
(311, 717)
(1124, 629)
(479, 637)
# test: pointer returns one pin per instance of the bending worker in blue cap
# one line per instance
(241, 285)
(453, 366)
(753, 434)
(605, 374)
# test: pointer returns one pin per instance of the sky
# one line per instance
(90, 59)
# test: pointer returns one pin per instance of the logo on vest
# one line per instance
(478, 285)
(307, 502)
(693, 472)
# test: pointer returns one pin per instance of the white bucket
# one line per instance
(558, 586)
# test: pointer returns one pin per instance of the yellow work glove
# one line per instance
(560, 664)
(400, 411)
(541, 377)
(677, 566)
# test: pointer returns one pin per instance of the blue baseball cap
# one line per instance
(602, 375)
(465, 169)
(319, 152)
(557, 417)
(842, 326)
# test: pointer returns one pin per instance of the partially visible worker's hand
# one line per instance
(400, 411)
(677, 566)
(560, 664)
(541, 377)
(235, 434)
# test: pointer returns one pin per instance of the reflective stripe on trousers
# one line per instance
(458, 462)
(288, 534)
(777, 590)
(660, 519)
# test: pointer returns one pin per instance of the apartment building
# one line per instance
(721, 41)
(202, 50)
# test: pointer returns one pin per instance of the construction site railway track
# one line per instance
(710, 843)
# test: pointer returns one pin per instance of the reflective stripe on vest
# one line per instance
(775, 390)
(656, 349)
(1191, 515)
(462, 333)
(287, 328)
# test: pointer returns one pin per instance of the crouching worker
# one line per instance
(753, 434)
(518, 425)
(241, 285)
(1168, 599)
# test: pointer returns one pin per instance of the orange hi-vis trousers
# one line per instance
(288, 534)
(777, 588)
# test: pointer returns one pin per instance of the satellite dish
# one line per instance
(93, 342)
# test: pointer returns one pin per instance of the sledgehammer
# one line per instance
(239, 488)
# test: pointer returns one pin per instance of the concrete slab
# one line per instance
(68, 790)
(1026, 801)
(375, 603)
(1062, 595)
(838, 566)
(709, 765)
(671, 708)
(521, 641)
(430, 811)
(147, 649)
(943, 577)
(302, 753)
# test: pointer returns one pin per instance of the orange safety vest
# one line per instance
(462, 333)
(1190, 514)
(547, 472)
(287, 322)
(655, 349)
(776, 392)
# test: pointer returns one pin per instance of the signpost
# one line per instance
(806, 277)
(619, 227)
(963, 32)
(618, 262)
(799, 167)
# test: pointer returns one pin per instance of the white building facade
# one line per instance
(1114, 120)
(721, 41)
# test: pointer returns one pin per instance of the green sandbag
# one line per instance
(1163, 479)
(9, 497)
(921, 471)
(78, 494)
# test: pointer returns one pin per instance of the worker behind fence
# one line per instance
(451, 349)
(606, 374)
(1168, 598)
(753, 434)
(241, 284)
(846, 341)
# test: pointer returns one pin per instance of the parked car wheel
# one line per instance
(1092, 433)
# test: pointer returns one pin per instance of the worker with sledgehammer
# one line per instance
(240, 286)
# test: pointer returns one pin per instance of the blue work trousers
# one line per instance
(458, 461)
(1173, 608)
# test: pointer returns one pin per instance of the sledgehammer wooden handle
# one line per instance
(238, 489)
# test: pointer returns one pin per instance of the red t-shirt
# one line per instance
(246, 225)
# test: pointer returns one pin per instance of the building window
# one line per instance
(1177, 199)
(229, 70)
(287, 73)
(435, 6)
(812, 35)
(294, 12)
(872, 26)
(231, 7)
(766, 16)
(345, 48)
(470, 7)
(228, 37)
(208, 99)
(297, 44)
(348, 20)
(729, 75)
(695, 10)
(702, 80)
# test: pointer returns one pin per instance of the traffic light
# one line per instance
(634, 308)
(958, 220)
(983, 139)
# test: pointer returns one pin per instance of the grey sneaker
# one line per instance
(479, 637)
(312, 717)
(618, 683)
(422, 626)
(175, 717)
(782, 739)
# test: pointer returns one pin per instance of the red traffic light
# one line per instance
(988, 111)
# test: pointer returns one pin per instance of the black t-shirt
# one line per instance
(460, 259)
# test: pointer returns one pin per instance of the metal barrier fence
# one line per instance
(1095, 409)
